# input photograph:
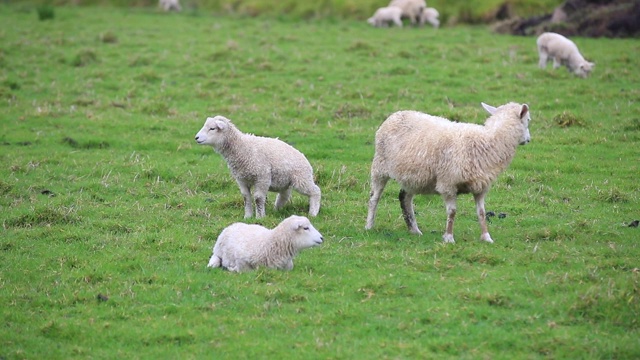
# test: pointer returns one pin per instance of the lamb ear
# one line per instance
(490, 109)
(524, 111)
(220, 123)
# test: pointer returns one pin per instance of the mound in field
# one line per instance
(590, 18)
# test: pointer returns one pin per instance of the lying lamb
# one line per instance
(168, 5)
(385, 15)
(262, 164)
(563, 52)
(243, 247)
(411, 9)
(430, 15)
(428, 154)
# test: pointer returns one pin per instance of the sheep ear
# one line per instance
(490, 109)
(220, 124)
(524, 111)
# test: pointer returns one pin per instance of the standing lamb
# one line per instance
(385, 15)
(168, 5)
(243, 247)
(563, 52)
(262, 164)
(411, 9)
(430, 15)
(428, 154)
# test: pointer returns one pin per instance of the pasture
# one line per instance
(109, 209)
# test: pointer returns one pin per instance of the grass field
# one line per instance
(109, 209)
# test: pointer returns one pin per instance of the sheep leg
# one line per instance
(543, 59)
(450, 203)
(260, 195)
(215, 261)
(556, 63)
(248, 201)
(261, 199)
(282, 198)
(288, 265)
(314, 201)
(314, 195)
(406, 203)
(482, 219)
(377, 187)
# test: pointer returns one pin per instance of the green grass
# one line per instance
(454, 11)
(109, 209)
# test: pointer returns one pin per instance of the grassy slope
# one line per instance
(100, 107)
(457, 10)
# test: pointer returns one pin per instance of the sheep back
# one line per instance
(254, 159)
(261, 156)
(564, 51)
(411, 9)
(430, 154)
(241, 247)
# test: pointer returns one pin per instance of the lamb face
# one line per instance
(584, 69)
(305, 235)
(212, 133)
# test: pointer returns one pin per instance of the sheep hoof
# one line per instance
(416, 231)
(486, 237)
(448, 238)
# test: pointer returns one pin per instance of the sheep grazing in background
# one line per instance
(385, 15)
(169, 5)
(411, 9)
(428, 154)
(242, 247)
(563, 52)
(262, 164)
(430, 15)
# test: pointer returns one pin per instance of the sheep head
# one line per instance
(585, 69)
(524, 115)
(305, 235)
(212, 133)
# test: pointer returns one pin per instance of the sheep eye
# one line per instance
(306, 228)
(211, 129)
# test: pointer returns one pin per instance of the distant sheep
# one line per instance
(428, 154)
(411, 9)
(262, 164)
(563, 52)
(168, 5)
(242, 247)
(430, 15)
(385, 15)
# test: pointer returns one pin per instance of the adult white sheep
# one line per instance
(428, 154)
(430, 15)
(243, 247)
(386, 15)
(261, 164)
(411, 9)
(168, 5)
(563, 52)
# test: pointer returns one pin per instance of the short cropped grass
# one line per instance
(109, 209)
